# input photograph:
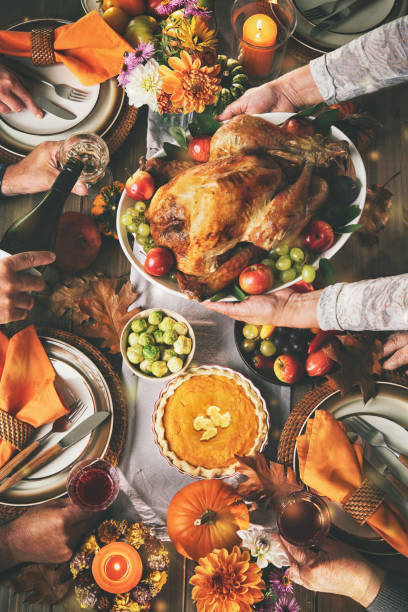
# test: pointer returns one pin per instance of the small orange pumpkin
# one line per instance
(206, 515)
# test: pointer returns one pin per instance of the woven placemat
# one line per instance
(305, 406)
(118, 438)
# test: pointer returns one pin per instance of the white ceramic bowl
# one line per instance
(137, 259)
(142, 315)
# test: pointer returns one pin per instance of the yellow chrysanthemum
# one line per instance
(227, 581)
(156, 581)
(91, 544)
(192, 87)
(196, 36)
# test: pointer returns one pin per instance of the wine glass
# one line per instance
(93, 484)
(303, 518)
(93, 151)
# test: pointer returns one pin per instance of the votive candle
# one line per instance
(259, 37)
(117, 567)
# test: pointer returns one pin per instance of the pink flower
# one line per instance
(287, 603)
(193, 10)
(280, 582)
(142, 53)
(166, 9)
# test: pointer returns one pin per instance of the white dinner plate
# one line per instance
(137, 257)
(373, 15)
(78, 377)
(386, 411)
(91, 5)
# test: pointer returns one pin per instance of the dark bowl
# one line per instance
(247, 359)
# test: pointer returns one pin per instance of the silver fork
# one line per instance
(373, 435)
(61, 424)
(322, 10)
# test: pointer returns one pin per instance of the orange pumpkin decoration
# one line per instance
(206, 515)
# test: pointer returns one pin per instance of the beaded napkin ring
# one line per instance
(42, 46)
(14, 431)
(364, 501)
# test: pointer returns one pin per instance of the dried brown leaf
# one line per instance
(43, 583)
(99, 309)
(358, 356)
(375, 215)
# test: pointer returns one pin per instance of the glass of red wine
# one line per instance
(93, 484)
(303, 519)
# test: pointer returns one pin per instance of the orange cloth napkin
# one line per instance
(332, 466)
(91, 50)
(27, 383)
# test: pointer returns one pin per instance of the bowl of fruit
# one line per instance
(157, 344)
(283, 355)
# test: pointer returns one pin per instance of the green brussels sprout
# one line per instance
(134, 354)
(151, 352)
(138, 325)
(183, 345)
(155, 317)
(158, 336)
(169, 337)
(167, 354)
(181, 328)
(146, 366)
(159, 368)
(146, 339)
(175, 364)
(167, 324)
(133, 339)
(151, 329)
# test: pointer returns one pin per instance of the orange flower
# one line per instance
(227, 582)
(192, 87)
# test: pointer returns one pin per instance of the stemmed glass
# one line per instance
(93, 151)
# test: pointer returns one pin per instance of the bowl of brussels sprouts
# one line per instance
(157, 344)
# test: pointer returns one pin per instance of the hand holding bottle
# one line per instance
(16, 284)
(36, 172)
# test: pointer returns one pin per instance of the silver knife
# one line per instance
(391, 494)
(338, 17)
(76, 434)
(46, 105)
(385, 472)
(386, 455)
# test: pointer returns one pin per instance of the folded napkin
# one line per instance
(89, 48)
(27, 384)
(332, 466)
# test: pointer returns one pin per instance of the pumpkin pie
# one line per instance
(205, 417)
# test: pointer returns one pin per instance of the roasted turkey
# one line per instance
(220, 216)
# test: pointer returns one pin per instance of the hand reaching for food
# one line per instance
(14, 97)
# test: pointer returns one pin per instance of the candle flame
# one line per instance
(117, 566)
(259, 24)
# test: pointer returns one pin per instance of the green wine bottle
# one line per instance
(37, 230)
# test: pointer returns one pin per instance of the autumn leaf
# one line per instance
(376, 213)
(99, 309)
(44, 583)
(358, 356)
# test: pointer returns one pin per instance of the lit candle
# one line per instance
(260, 32)
(117, 567)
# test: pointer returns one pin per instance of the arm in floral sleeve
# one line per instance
(371, 62)
(379, 304)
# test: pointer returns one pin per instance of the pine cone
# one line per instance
(84, 579)
(103, 604)
(87, 597)
(141, 594)
(80, 562)
(137, 534)
(109, 531)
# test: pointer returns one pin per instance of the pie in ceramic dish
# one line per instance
(205, 417)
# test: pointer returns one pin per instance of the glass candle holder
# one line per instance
(262, 29)
(303, 518)
(93, 484)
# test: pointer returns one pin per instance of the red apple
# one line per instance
(302, 287)
(256, 279)
(152, 6)
(199, 148)
(319, 236)
(299, 126)
(159, 261)
(77, 242)
(318, 364)
(140, 186)
(132, 7)
(288, 369)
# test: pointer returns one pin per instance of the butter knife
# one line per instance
(338, 17)
(391, 494)
(51, 107)
(71, 438)
(385, 472)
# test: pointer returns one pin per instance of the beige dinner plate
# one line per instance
(77, 376)
(389, 407)
(91, 5)
(20, 133)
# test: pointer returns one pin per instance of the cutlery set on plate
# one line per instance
(332, 14)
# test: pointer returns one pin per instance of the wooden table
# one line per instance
(353, 263)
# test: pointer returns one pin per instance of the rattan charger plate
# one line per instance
(119, 432)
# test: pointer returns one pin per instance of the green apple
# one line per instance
(140, 30)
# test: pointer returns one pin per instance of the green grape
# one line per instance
(126, 219)
(159, 369)
(139, 206)
(248, 345)
(132, 228)
(282, 249)
(175, 364)
(143, 230)
(250, 331)
(138, 325)
(283, 263)
(156, 316)
(297, 254)
(273, 254)
(146, 339)
(308, 274)
(267, 348)
(133, 339)
(270, 263)
(298, 267)
(151, 352)
(288, 275)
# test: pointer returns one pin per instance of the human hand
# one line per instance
(36, 172)
(397, 347)
(286, 308)
(15, 286)
(47, 533)
(14, 96)
(335, 568)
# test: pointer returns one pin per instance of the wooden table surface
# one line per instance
(353, 263)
